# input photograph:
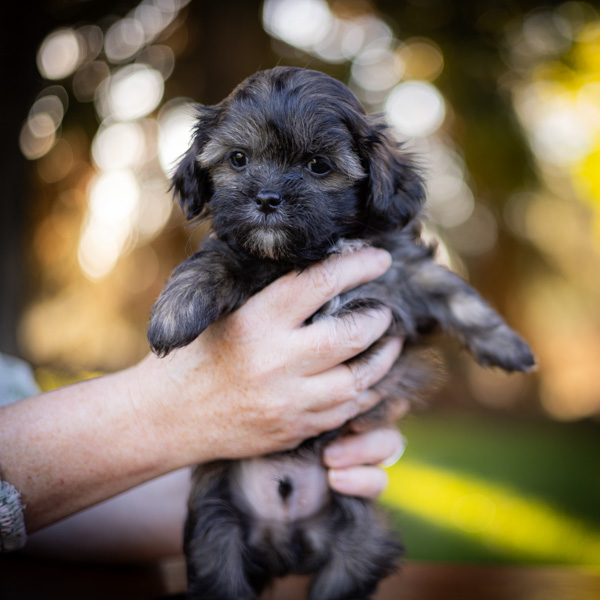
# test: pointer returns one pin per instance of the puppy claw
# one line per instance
(163, 339)
(502, 348)
(163, 343)
(177, 321)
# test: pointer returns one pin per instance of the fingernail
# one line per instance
(383, 257)
(338, 477)
(390, 461)
(333, 454)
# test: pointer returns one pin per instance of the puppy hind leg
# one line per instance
(361, 553)
(347, 575)
(460, 311)
(217, 558)
(491, 341)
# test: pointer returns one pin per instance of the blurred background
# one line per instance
(501, 101)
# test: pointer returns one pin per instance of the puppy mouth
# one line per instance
(260, 223)
(266, 241)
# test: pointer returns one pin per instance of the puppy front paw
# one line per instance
(188, 304)
(178, 320)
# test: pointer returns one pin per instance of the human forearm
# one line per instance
(70, 448)
(144, 523)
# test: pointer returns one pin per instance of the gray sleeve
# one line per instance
(16, 380)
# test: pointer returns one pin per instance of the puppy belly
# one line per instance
(281, 489)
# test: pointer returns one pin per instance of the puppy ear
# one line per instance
(191, 183)
(396, 190)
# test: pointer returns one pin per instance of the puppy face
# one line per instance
(289, 163)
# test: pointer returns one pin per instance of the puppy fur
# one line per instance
(289, 169)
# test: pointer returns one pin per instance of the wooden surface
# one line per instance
(24, 579)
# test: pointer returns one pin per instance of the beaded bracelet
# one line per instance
(12, 523)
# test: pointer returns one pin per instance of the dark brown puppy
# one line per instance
(289, 169)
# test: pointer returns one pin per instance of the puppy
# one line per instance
(289, 169)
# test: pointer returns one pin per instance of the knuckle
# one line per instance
(352, 408)
(363, 329)
(368, 400)
(239, 325)
(380, 320)
(296, 433)
(345, 390)
(276, 416)
(325, 280)
(344, 331)
(360, 375)
(338, 417)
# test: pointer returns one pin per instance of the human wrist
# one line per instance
(160, 405)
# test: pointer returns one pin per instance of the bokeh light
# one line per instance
(88, 78)
(552, 54)
(415, 108)
(375, 33)
(59, 54)
(154, 212)
(376, 69)
(57, 163)
(160, 58)
(422, 59)
(113, 203)
(91, 40)
(124, 39)
(118, 146)
(31, 145)
(131, 93)
(46, 115)
(301, 23)
(342, 42)
(562, 123)
(176, 122)
(477, 234)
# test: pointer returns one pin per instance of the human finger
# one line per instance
(328, 418)
(334, 340)
(345, 382)
(363, 481)
(394, 411)
(397, 409)
(384, 445)
(293, 298)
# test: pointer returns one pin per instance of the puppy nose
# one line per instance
(267, 201)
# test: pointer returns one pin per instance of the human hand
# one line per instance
(355, 461)
(259, 381)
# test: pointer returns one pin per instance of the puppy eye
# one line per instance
(318, 166)
(238, 160)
